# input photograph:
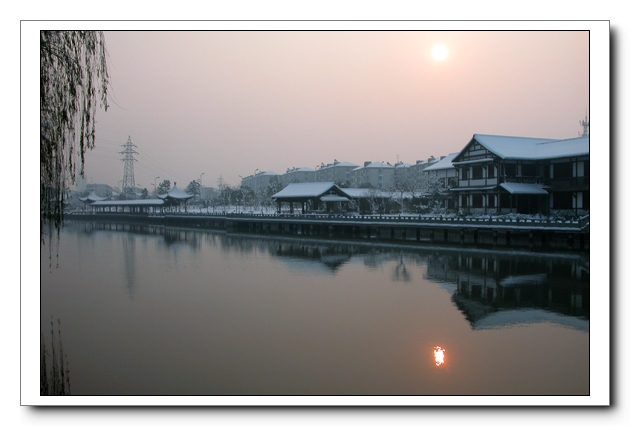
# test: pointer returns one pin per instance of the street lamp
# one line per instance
(155, 186)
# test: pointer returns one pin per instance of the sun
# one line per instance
(439, 52)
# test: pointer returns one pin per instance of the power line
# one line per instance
(145, 161)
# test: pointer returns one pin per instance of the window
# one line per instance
(477, 172)
(586, 200)
(528, 170)
(491, 171)
(464, 172)
(477, 201)
(491, 200)
(563, 200)
(562, 170)
(587, 169)
(510, 170)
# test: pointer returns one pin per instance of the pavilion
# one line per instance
(92, 198)
(175, 197)
(310, 195)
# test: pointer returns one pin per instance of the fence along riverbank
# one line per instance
(503, 233)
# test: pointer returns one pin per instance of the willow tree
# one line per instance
(73, 82)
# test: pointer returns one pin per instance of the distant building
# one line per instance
(417, 170)
(336, 172)
(443, 169)
(379, 175)
(442, 176)
(298, 175)
(206, 192)
(100, 189)
(260, 181)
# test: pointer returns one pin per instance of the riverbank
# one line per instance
(488, 233)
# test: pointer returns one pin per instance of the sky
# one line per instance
(224, 104)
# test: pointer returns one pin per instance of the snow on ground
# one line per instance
(271, 210)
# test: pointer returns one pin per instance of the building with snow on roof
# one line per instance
(335, 172)
(298, 175)
(379, 175)
(507, 174)
(417, 170)
(444, 170)
(175, 198)
(439, 178)
(100, 189)
(260, 180)
(91, 198)
(312, 197)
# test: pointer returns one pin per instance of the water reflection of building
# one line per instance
(331, 257)
(490, 289)
(522, 289)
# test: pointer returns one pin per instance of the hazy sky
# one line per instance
(230, 102)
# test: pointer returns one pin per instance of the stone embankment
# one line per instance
(496, 232)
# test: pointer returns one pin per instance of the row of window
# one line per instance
(558, 200)
(556, 170)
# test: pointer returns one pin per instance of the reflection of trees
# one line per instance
(129, 260)
(170, 236)
(401, 274)
(191, 238)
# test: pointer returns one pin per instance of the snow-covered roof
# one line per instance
(306, 190)
(356, 192)
(524, 188)
(444, 163)
(524, 279)
(345, 164)
(579, 146)
(338, 164)
(376, 164)
(517, 147)
(147, 202)
(176, 194)
(512, 318)
(92, 197)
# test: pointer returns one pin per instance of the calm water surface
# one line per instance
(155, 311)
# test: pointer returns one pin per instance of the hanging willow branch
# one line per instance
(73, 80)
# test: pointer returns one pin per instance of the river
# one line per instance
(148, 310)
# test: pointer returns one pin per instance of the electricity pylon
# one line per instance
(129, 182)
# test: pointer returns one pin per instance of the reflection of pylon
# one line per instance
(128, 180)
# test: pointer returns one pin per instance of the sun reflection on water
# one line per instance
(438, 353)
